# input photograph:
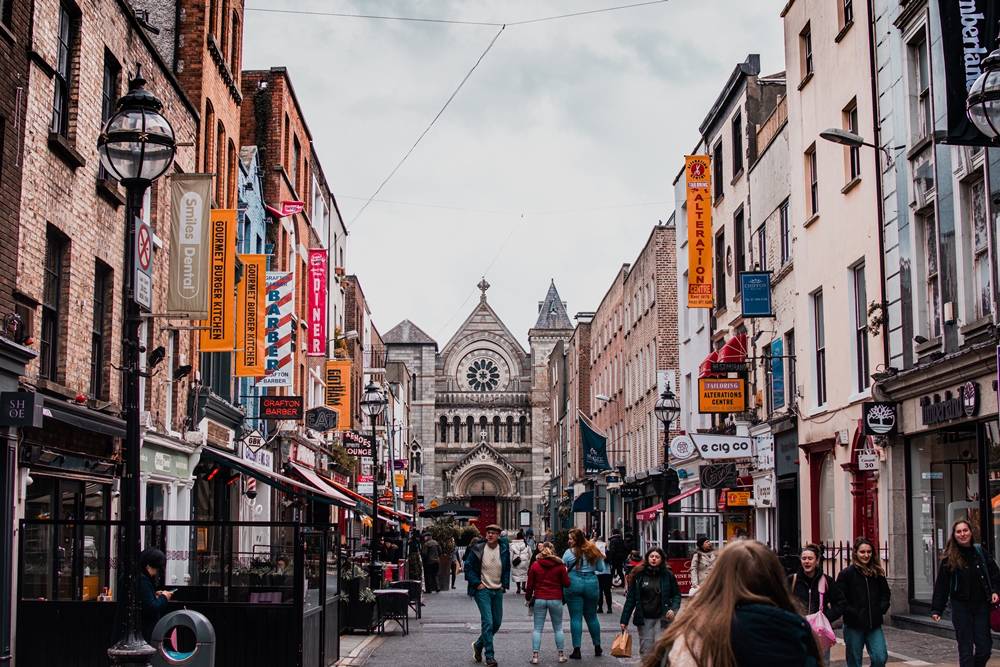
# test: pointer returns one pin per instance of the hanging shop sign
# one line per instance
(936, 410)
(291, 207)
(321, 419)
(755, 294)
(738, 498)
(879, 418)
(142, 279)
(280, 407)
(764, 451)
(718, 395)
(681, 448)
(630, 491)
(187, 284)
(253, 441)
(358, 444)
(337, 394)
(867, 461)
(698, 181)
(715, 447)
(763, 491)
(250, 317)
(717, 475)
(218, 333)
(729, 367)
(279, 370)
(21, 408)
(968, 34)
(777, 379)
(316, 346)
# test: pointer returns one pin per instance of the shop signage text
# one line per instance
(867, 461)
(187, 287)
(722, 446)
(20, 408)
(717, 395)
(262, 457)
(698, 179)
(763, 491)
(755, 294)
(357, 444)
(219, 334)
(281, 407)
(764, 445)
(738, 498)
(321, 419)
(717, 475)
(305, 456)
(936, 410)
(337, 394)
(253, 440)
(316, 345)
(729, 367)
(681, 448)
(879, 418)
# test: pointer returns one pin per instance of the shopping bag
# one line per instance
(621, 647)
(820, 624)
(995, 618)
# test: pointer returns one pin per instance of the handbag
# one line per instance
(621, 647)
(516, 561)
(819, 623)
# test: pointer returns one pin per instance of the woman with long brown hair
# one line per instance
(968, 576)
(585, 561)
(743, 615)
(866, 601)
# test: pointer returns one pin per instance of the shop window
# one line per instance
(156, 510)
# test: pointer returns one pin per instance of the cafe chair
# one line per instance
(415, 589)
(393, 605)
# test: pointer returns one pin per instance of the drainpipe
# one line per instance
(879, 211)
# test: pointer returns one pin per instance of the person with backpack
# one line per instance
(866, 601)
(547, 577)
(816, 591)
(520, 554)
(653, 598)
(702, 561)
(968, 577)
(617, 553)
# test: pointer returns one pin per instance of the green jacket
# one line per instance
(670, 596)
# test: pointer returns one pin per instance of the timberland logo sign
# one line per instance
(879, 418)
(937, 409)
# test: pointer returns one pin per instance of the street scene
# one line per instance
(381, 332)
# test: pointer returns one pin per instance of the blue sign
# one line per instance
(777, 375)
(755, 293)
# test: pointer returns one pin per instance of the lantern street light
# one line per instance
(136, 146)
(667, 409)
(983, 103)
(373, 404)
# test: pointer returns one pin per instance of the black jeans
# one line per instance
(972, 630)
(431, 577)
(604, 581)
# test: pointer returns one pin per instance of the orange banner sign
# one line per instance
(218, 336)
(338, 391)
(250, 317)
(698, 174)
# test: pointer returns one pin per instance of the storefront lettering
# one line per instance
(935, 410)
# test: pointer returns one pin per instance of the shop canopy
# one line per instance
(366, 503)
(321, 484)
(733, 351)
(650, 513)
(584, 502)
(457, 510)
(276, 480)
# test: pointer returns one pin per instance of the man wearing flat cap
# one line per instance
(487, 569)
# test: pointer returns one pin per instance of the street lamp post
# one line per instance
(667, 408)
(136, 147)
(983, 104)
(373, 404)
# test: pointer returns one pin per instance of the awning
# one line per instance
(321, 484)
(584, 502)
(650, 513)
(735, 349)
(273, 479)
(705, 369)
(382, 509)
(83, 417)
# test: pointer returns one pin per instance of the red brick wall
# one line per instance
(606, 367)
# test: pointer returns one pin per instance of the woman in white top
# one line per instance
(520, 559)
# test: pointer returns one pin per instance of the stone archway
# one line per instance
(487, 488)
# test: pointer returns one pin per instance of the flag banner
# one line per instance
(698, 177)
(187, 286)
(250, 317)
(218, 337)
(291, 207)
(968, 34)
(317, 302)
(595, 448)
(337, 395)
(279, 371)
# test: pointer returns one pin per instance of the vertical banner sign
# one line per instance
(968, 34)
(218, 336)
(317, 302)
(699, 218)
(250, 317)
(279, 303)
(777, 374)
(187, 287)
(338, 391)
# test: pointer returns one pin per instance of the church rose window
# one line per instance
(483, 375)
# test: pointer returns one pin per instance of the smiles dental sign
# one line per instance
(187, 290)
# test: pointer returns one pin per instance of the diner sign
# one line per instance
(317, 302)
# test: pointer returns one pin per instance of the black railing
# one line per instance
(837, 556)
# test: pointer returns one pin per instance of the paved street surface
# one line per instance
(450, 623)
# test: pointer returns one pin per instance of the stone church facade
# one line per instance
(481, 410)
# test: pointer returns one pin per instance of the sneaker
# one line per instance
(491, 662)
(598, 651)
(534, 658)
(562, 657)
(575, 655)
(477, 652)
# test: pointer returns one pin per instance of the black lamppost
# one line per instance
(983, 104)
(667, 408)
(373, 403)
(136, 147)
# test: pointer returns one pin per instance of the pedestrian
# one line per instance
(584, 561)
(866, 600)
(487, 569)
(744, 616)
(604, 579)
(414, 563)
(969, 577)
(547, 577)
(529, 539)
(809, 585)
(152, 562)
(634, 559)
(653, 598)
(431, 555)
(702, 562)
(520, 554)
(616, 557)
(456, 565)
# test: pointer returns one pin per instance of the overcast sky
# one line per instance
(553, 162)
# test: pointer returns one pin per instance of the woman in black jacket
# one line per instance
(969, 577)
(653, 598)
(154, 602)
(866, 598)
(809, 585)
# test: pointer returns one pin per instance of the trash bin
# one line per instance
(184, 637)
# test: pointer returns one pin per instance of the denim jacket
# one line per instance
(584, 567)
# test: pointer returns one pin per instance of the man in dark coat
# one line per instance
(487, 569)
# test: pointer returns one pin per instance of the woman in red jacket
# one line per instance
(547, 577)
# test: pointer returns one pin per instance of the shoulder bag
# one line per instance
(819, 623)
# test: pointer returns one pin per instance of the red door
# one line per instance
(487, 506)
(864, 489)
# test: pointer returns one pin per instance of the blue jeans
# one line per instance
(972, 630)
(857, 640)
(581, 598)
(554, 610)
(490, 603)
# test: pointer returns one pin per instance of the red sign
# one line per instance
(280, 407)
(145, 255)
(317, 302)
(291, 207)
(682, 572)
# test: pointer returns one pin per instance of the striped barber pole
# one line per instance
(279, 369)
(249, 485)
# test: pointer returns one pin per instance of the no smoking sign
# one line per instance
(142, 282)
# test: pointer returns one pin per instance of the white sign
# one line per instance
(763, 491)
(261, 458)
(764, 446)
(681, 448)
(142, 284)
(305, 456)
(868, 461)
(253, 440)
(715, 447)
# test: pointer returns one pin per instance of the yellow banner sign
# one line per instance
(738, 498)
(698, 175)
(218, 336)
(250, 317)
(338, 391)
(722, 395)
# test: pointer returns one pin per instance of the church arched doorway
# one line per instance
(483, 494)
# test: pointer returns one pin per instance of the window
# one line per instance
(720, 269)
(223, 24)
(213, 17)
(220, 165)
(812, 181)
(109, 95)
(443, 437)
(761, 247)
(717, 172)
(927, 228)
(293, 174)
(793, 389)
(786, 233)
(100, 331)
(806, 52)
(737, 127)
(920, 98)
(981, 279)
(456, 424)
(470, 426)
(234, 48)
(860, 327)
(820, 347)
(740, 246)
(216, 372)
(853, 152)
(64, 55)
(52, 306)
(209, 126)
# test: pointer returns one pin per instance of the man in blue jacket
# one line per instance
(487, 569)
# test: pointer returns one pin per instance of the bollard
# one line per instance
(184, 637)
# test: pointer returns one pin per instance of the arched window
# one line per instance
(220, 164)
(522, 430)
(510, 429)
(496, 429)
(444, 429)
(209, 126)
(470, 424)
(484, 425)
(457, 424)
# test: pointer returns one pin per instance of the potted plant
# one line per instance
(445, 532)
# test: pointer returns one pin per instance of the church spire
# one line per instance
(552, 311)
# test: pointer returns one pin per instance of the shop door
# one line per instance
(864, 488)
(487, 506)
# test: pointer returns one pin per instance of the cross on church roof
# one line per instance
(483, 286)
